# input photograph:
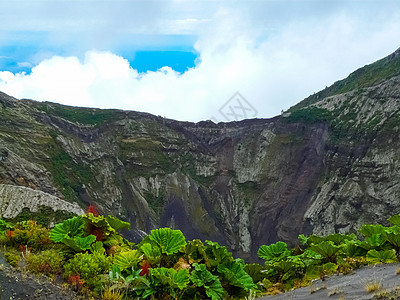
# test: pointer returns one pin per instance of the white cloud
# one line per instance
(271, 69)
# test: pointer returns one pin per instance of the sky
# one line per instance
(189, 60)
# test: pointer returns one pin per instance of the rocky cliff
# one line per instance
(327, 165)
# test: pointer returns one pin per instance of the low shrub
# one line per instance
(31, 234)
(88, 266)
(46, 262)
(12, 257)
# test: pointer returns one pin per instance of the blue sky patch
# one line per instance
(179, 61)
(27, 49)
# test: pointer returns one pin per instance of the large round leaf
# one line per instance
(68, 229)
(170, 241)
(127, 259)
(276, 251)
(117, 224)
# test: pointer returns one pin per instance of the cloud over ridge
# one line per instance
(272, 67)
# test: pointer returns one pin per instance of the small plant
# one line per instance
(29, 233)
(315, 288)
(385, 294)
(110, 294)
(5, 225)
(92, 210)
(398, 271)
(46, 262)
(12, 257)
(88, 266)
(373, 286)
(75, 281)
(334, 292)
(348, 264)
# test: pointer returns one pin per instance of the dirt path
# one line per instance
(350, 286)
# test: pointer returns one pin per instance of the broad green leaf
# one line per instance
(309, 254)
(316, 271)
(200, 275)
(84, 242)
(282, 269)
(113, 240)
(395, 220)
(78, 243)
(327, 250)
(393, 239)
(275, 251)
(127, 259)
(214, 290)
(235, 275)
(170, 241)
(374, 241)
(172, 278)
(386, 256)
(117, 224)
(203, 278)
(370, 230)
(393, 229)
(99, 222)
(339, 239)
(97, 247)
(117, 240)
(314, 239)
(282, 266)
(152, 253)
(196, 251)
(68, 229)
(255, 271)
(216, 254)
(353, 249)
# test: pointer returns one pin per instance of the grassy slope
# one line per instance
(366, 76)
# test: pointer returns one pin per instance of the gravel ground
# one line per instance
(350, 286)
(16, 285)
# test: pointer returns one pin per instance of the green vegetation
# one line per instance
(145, 154)
(86, 116)
(366, 76)
(100, 264)
(68, 175)
(189, 163)
(309, 115)
(156, 203)
(45, 216)
(345, 113)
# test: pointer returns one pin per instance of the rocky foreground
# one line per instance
(15, 285)
(371, 282)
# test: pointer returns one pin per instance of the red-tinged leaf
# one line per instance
(92, 209)
(145, 266)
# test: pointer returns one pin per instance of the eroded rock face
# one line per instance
(242, 184)
(13, 199)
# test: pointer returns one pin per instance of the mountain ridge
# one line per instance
(322, 167)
